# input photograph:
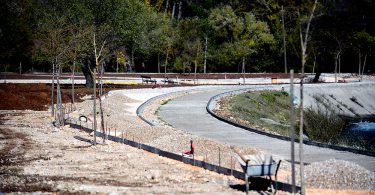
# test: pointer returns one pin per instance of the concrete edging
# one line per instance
(212, 102)
(142, 107)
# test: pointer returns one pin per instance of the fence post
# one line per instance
(219, 157)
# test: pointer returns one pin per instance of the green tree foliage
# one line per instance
(147, 31)
(16, 34)
(239, 36)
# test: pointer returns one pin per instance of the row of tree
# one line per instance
(185, 36)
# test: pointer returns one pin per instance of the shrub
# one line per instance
(323, 122)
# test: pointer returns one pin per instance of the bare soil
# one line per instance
(38, 96)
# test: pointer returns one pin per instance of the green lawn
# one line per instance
(267, 109)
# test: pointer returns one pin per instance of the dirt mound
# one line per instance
(38, 96)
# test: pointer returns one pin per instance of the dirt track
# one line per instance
(37, 157)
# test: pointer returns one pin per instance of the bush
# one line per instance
(323, 122)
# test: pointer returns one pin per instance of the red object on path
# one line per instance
(191, 148)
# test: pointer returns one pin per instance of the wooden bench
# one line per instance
(147, 79)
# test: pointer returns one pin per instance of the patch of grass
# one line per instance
(165, 102)
(323, 122)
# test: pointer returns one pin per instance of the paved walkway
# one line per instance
(189, 113)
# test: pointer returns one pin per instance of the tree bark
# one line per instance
(292, 131)
(158, 63)
(336, 61)
(133, 64)
(179, 11)
(303, 61)
(243, 69)
(166, 7)
(20, 67)
(173, 10)
(284, 44)
(94, 105)
(73, 72)
(359, 62)
(166, 63)
(105, 135)
(195, 72)
(205, 57)
(364, 65)
(59, 118)
(314, 63)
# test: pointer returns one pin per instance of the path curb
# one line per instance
(212, 103)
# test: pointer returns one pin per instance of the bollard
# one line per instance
(122, 136)
(115, 132)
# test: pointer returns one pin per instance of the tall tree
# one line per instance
(240, 35)
(303, 39)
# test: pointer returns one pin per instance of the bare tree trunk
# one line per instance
(94, 102)
(73, 72)
(105, 135)
(303, 61)
(59, 100)
(116, 66)
(97, 63)
(133, 64)
(166, 63)
(284, 44)
(179, 11)
(57, 113)
(173, 10)
(166, 7)
(359, 62)
(195, 72)
(292, 132)
(205, 57)
(53, 90)
(196, 65)
(340, 64)
(243, 69)
(336, 61)
(314, 63)
(94, 89)
(364, 65)
(158, 63)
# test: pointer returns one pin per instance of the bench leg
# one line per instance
(247, 183)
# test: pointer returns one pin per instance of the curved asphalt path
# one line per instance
(189, 113)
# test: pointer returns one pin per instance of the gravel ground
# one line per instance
(35, 157)
(48, 159)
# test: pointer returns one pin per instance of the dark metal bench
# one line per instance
(167, 80)
(147, 79)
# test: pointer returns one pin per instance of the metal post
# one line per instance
(292, 132)
(219, 158)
